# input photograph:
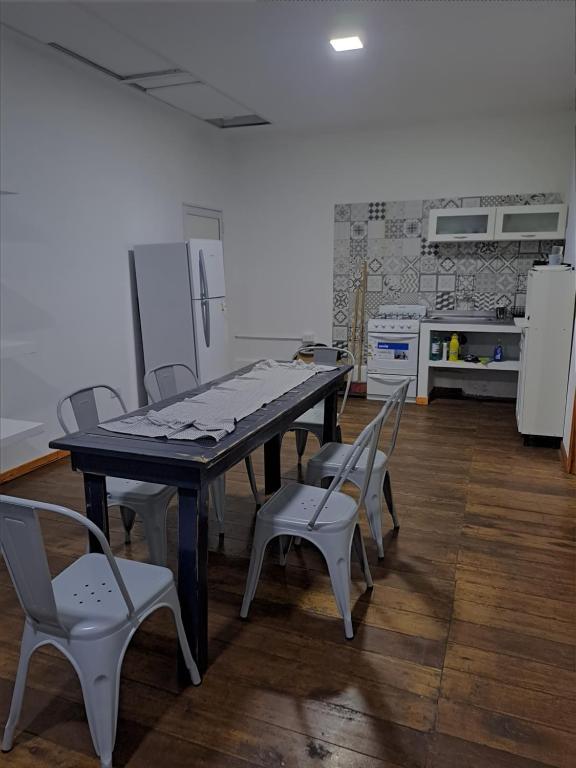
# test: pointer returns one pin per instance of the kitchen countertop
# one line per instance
(472, 324)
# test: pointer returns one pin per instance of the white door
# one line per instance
(202, 223)
(212, 345)
(207, 269)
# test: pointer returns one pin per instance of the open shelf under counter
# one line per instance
(476, 379)
(504, 365)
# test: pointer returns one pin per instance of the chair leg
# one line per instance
(252, 479)
(154, 519)
(360, 552)
(373, 503)
(182, 639)
(99, 672)
(313, 474)
(301, 440)
(387, 488)
(218, 491)
(27, 646)
(339, 569)
(128, 515)
(257, 557)
(285, 544)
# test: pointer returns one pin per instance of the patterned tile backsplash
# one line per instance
(404, 268)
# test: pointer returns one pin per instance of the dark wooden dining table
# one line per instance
(191, 467)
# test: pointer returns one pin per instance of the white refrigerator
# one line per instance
(545, 347)
(182, 306)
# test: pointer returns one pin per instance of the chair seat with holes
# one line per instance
(333, 455)
(89, 601)
(147, 500)
(312, 418)
(295, 504)
(89, 612)
(327, 518)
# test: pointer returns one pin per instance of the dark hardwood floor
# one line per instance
(464, 655)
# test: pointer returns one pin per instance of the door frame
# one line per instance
(199, 210)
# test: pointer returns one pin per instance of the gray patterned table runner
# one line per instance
(215, 412)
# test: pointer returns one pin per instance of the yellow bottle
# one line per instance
(454, 348)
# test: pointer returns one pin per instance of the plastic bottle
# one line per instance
(445, 348)
(454, 348)
(435, 348)
(498, 352)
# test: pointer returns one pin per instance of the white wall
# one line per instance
(97, 169)
(570, 258)
(284, 188)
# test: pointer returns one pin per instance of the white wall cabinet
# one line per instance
(530, 222)
(509, 222)
(448, 225)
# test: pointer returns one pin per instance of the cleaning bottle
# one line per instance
(445, 348)
(498, 352)
(454, 348)
(435, 348)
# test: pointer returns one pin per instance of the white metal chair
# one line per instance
(313, 420)
(147, 500)
(331, 457)
(160, 383)
(89, 612)
(327, 518)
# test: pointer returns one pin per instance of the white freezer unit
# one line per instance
(545, 349)
(182, 306)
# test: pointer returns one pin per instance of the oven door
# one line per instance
(395, 353)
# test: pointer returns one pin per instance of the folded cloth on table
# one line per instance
(215, 412)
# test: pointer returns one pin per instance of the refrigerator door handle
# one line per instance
(205, 304)
(203, 282)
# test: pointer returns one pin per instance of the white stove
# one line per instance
(393, 339)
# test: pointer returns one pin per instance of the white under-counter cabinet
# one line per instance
(530, 222)
(448, 225)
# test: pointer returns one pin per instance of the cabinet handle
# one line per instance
(460, 237)
(524, 234)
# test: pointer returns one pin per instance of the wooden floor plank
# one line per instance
(464, 653)
(521, 737)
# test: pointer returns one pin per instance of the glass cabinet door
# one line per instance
(448, 224)
(530, 222)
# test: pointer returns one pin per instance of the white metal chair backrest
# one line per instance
(23, 549)
(164, 376)
(397, 400)
(367, 439)
(329, 356)
(84, 406)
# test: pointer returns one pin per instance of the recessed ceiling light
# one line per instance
(346, 43)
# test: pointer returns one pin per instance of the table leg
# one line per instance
(330, 418)
(193, 574)
(96, 507)
(272, 475)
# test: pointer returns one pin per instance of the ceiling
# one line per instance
(423, 60)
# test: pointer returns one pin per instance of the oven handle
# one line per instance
(390, 377)
(393, 336)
